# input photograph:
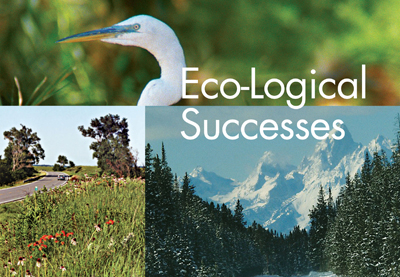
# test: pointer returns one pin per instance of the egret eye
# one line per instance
(136, 26)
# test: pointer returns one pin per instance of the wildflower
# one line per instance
(28, 273)
(98, 229)
(110, 222)
(63, 268)
(38, 262)
(13, 272)
(127, 238)
(44, 257)
(21, 261)
(111, 242)
(9, 262)
(5, 241)
(5, 266)
(73, 241)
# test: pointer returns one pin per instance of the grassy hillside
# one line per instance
(76, 170)
(91, 227)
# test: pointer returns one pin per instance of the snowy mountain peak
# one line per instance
(328, 152)
(380, 143)
(338, 133)
(330, 143)
(266, 165)
(196, 171)
(267, 157)
(208, 184)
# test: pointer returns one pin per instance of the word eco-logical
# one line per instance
(252, 88)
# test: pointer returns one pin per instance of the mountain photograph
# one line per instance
(304, 197)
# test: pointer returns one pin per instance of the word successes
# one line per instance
(282, 88)
(268, 129)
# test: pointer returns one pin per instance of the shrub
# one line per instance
(58, 167)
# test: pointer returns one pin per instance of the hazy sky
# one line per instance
(236, 158)
(57, 127)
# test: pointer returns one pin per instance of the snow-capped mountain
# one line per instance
(280, 196)
(206, 183)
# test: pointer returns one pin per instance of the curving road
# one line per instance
(17, 193)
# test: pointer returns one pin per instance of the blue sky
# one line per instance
(57, 127)
(235, 159)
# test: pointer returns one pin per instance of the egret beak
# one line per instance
(104, 33)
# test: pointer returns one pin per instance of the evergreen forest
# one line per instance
(187, 236)
(363, 236)
(356, 235)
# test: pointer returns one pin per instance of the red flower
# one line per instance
(110, 222)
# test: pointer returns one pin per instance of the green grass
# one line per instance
(9, 211)
(82, 170)
(116, 250)
(76, 170)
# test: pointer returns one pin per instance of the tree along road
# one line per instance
(17, 193)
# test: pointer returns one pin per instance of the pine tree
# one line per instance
(319, 224)
(336, 246)
(187, 191)
(238, 216)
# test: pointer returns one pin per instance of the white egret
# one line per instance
(160, 40)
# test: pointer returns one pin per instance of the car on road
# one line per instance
(61, 177)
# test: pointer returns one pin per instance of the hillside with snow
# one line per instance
(279, 196)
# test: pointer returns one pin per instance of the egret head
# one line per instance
(156, 37)
(142, 31)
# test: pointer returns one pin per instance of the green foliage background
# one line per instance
(283, 39)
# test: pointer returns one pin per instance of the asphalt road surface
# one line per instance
(17, 193)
